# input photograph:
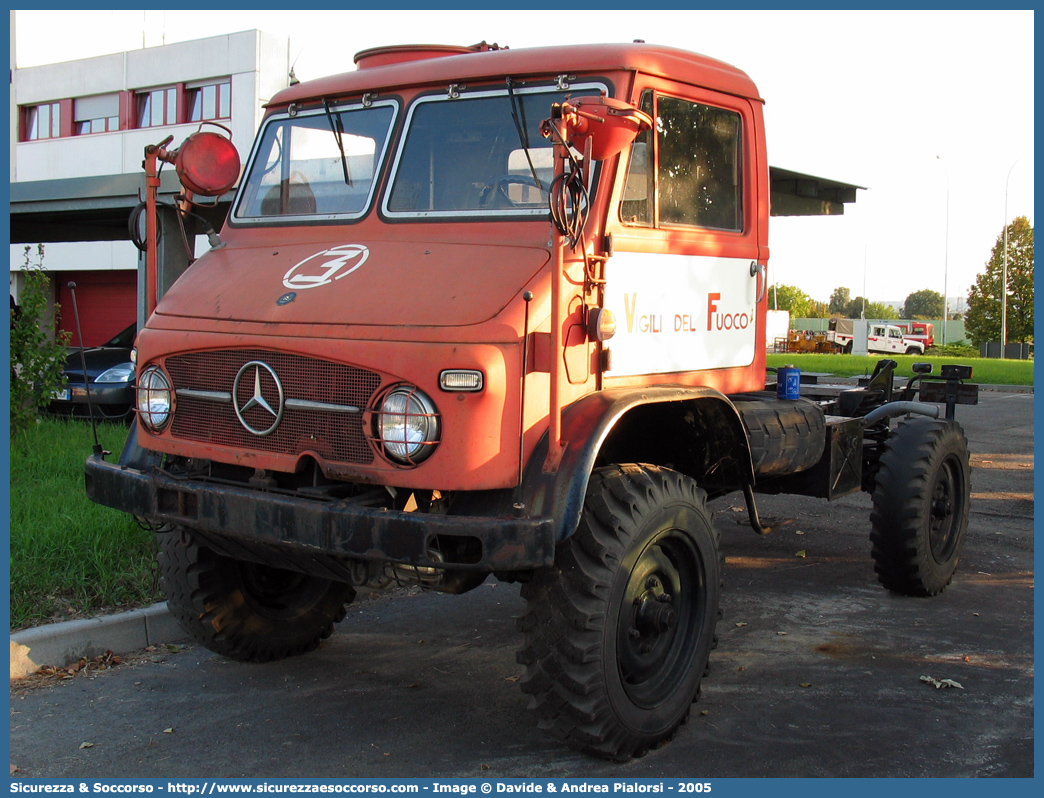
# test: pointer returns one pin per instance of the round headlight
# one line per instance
(121, 373)
(155, 398)
(408, 425)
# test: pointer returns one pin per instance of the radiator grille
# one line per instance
(337, 437)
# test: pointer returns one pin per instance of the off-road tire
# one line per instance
(785, 436)
(612, 667)
(920, 506)
(913, 350)
(243, 610)
(847, 348)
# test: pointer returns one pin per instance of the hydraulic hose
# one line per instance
(900, 409)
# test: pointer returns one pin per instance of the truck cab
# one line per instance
(921, 331)
(887, 338)
(881, 338)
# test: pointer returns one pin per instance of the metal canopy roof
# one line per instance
(88, 208)
(797, 194)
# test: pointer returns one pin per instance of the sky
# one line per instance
(931, 111)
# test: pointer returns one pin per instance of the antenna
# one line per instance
(86, 379)
(293, 77)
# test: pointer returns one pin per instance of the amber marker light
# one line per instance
(601, 324)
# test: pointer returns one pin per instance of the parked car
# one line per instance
(110, 373)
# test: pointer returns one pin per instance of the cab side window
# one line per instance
(687, 172)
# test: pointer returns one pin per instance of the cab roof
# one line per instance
(446, 64)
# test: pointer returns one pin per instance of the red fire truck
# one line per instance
(479, 312)
(923, 331)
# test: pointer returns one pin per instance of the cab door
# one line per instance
(876, 340)
(688, 269)
(895, 341)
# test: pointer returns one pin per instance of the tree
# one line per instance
(982, 322)
(839, 300)
(818, 310)
(854, 308)
(924, 304)
(788, 297)
(879, 310)
(37, 361)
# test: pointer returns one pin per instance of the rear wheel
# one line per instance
(618, 633)
(920, 506)
(245, 610)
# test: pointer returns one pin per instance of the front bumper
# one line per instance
(308, 527)
(107, 399)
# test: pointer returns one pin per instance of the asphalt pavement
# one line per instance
(819, 671)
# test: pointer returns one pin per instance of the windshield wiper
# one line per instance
(337, 128)
(523, 134)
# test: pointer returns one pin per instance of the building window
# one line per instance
(98, 114)
(209, 101)
(157, 108)
(41, 121)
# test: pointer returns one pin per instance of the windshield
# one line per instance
(478, 154)
(317, 164)
(124, 339)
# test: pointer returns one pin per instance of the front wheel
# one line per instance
(618, 633)
(244, 610)
(920, 506)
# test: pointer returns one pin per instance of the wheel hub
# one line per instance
(943, 521)
(658, 625)
(654, 614)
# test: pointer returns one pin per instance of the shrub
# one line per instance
(37, 359)
(953, 350)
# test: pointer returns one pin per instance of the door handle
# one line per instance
(759, 271)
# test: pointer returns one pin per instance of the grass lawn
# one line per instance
(71, 558)
(985, 371)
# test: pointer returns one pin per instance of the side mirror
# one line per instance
(611, 125)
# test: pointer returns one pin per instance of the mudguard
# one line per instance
(699, 432)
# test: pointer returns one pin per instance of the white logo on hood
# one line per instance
(339, 262)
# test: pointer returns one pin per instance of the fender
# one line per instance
(705, 439)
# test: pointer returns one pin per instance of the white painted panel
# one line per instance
(70, 79)
(85, 256)
(680, 313)
(216, 56)
(75, 156)
(860, 333)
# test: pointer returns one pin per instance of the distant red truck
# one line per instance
(923, 331)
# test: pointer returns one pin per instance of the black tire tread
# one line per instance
(785, 436)
(205, 605)
(899, 515)
(566, 610)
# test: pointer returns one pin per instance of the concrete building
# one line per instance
(78, 134)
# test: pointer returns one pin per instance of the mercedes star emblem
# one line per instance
(262, 385)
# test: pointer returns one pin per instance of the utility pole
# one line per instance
(946, 252)
(1004, 273)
